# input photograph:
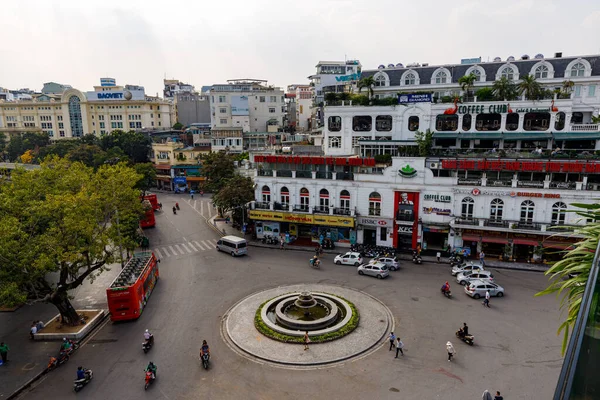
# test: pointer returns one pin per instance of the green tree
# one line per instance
(567, 86)
(238, 191)
(135, 145)
(467, 82)
(90, 139)
(148, 174)
(59, 148)
(485, 94)
(89, 154)
(578, 263)
(21, 142)
(504, 89)
(368, 83)
(331, 97)
(178, 126)
(3, 143)
(424, 142)
(59, 227)
(217, 168)
(530, 87)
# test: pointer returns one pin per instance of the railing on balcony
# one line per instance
(528, 226)
(324, 175)
(466, 221)
(585, 127)
(284, 173)
(469, 182)
(345, 176)
(321, 209)
(265, 172)
(555, 227)
(341, 211)
(563, 185)
(498, 182)
(400, 216)
(530, 184)
(281, 206)
(303, 174)
(496, 223)
(262, 205)
(301, 207)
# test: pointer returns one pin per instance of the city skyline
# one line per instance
(203, 44)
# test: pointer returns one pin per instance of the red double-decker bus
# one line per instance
(148, 220)
(128, 294)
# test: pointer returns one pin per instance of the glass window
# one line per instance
(559, 122)
(541, 72)
(334, 124)
(559, 213)
(508, 73)
(223, 110)
(488, 122)
(380, 81)
(446, 122)
(285, 196)
(375, 204)
(273, 99)
(383, 123)
(335, 142)
(75, 116)
(410, 79)
(362, 123)
(592, 91)
(477, 73)
(512, 122)
(304, 199)
(577, 118)
(266, 194)
(383, 234)
(527, 208)
(577, 90)
(345, 200)
(536, 121)
(324, 199)
(222, 99)
(496, 210)
(261, 99)
(578, 70)
(413, 123)
(272, 110)
(467, 206)
(441, 77)
(466, 122)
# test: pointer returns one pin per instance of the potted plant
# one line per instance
(507, 252)
(538, 253)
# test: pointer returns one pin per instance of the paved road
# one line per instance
(517, 349)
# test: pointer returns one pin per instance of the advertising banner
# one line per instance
(328, 220)
(239, 105)
(414, 98)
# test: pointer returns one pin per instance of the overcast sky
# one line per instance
(204, 42)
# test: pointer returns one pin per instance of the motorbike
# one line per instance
(315, 263)
(447, 293)
(174, 210)
(149, 379)
(177, 205)
(468, 339)
(55, 362)
(78, 384)
(205, 358)
(270, 240)
(147, 345)
(417, 258)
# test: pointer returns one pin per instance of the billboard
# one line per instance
(414, 98)
(239, 105)
(112, 95)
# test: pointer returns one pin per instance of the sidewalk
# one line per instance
(223, 228)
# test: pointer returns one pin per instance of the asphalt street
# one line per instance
(517, 350)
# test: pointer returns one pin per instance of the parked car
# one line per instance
(350, 258)
(477, 288)
(469, 266)
(467, 276)
(376, 269)
(391, 262)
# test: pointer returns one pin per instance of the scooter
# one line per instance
(177, 205)
(55, 362)
(149, 379)
(468, 339)
(316, 264)
(78, 384)
(147, 345)
(447, 293)
(205, 358)
(417, 258)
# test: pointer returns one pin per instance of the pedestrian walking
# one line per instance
(399, 347)
(482, 258)
(4, 352)
(192, 195)
(486, 302)
(451, 351)
(486, 395)
(438, 256)
(392, 338)
(306, 340)
(281, 242)
(497, 396)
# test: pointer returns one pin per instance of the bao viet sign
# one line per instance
(329, 220)
(373, 221)
(414, 98)
(116, 95)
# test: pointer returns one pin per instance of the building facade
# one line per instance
(74, 113)
(178, 167)
(192, 108)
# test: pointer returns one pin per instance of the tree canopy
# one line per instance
(59, 227)
(237, 192)
(218, 168)
(135, 145)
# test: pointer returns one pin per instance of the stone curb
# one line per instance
(27, 384)
(330, 363)
(80, 334)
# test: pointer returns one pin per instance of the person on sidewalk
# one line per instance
(281, 243)
(482, 258)
(33, 330)
(486, 302)
(306, 340)
(497, 396)
(4, 352)
(486, 395)
(438, 256)
(392, 338)
(399, 347)
(451, 351)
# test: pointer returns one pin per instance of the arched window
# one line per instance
(467, 120)
(413, 123)
(75, 116)
(541, 72)
(508, 73)
(375, 204)
(345, 201)
(559, 121)
(324, 201)
(410, 79)
(477, 73)
(559, 213)
(334, 142)
(527, 208)
(441, 77)
(285, 197)
(578, 70)
(496, 210)
(380, 80)
(266, 194)
(304, 199)
(467, 206)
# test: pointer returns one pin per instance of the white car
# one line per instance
(467, 276)
(350, 258)
(376, 269)
(471, 266)
(477, 288)
(391, 262)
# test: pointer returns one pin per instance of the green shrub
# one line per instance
(383, 158)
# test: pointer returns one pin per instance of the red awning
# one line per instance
(487, 239)
(557, 245)
(162, 166)
(528, 242)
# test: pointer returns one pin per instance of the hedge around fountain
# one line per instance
(328, 337)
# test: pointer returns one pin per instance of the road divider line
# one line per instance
(179, 249)
(158, 253)
(173, 250)
(199, 245)
(192, 246)
(186, 248)
(166, 252)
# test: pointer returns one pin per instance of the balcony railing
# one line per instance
(466, 221)
(324, 175)
(303, 174)
(281, 206)
(345, 176)
(528, 226)
(284, 173)
(321, 209)
(585, 127)
(301, 207)
(262, 205)
(265, 172)
(496, 223)
(400, 216)
(375, 212)
(341, 211)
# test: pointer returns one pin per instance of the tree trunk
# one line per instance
(68, 314)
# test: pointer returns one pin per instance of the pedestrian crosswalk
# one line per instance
(180, 249)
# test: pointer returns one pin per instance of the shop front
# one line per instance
(406, 226)
(375, 231)
(435, 237)
(304, 229)
(436, 214)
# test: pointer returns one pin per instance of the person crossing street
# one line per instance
(399, 347)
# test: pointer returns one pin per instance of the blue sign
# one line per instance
(470, 60)
(347, 78)
(179, 180)
(110, 95)
(414, 98)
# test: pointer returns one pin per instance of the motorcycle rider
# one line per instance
(80, 373)
(177, 205)
(465, 329)
(204, 349)
(315, 261)
(152, 368)
(65, 346)
(446, 287)
(148, 336)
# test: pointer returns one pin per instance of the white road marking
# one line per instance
(179, 248)
(158, 253)
(184, 239)
(215, 240)
(201, 208)
(192, 246)
(186, 248)
(199, 245)
(166, 252)
(209, 244)
(173, 250)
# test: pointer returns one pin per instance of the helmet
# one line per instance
(147, 331)
(64, 339)
(204, 342)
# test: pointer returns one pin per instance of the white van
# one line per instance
(233, 245)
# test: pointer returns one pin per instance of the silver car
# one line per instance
(467, 276)
(391, 262)
(376, 269)
(477, 288)
(470, 266)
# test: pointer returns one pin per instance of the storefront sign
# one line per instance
(499, 183)
(531, 184)
(480, 109)
(469, 181)
(180, 180)
(438, 198)
(477, 192)
(405, 229)
(328, 220)
(532, 110)
(526, 166)
(438, 211)
(116, 95)
(369, 221)
(414, 98)
(407, 171)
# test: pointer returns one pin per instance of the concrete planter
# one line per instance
(78, 335)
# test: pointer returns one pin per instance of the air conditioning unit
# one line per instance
(434, 165)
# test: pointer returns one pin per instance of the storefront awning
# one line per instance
(486, 239)
(445, 135)
(526, 136)
(162, 166)
(527, 242)
(576, 135)
(481, 135)
(556, 245)
(163, 178)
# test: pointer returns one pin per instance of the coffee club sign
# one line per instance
(496, 109)
(438, 198)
